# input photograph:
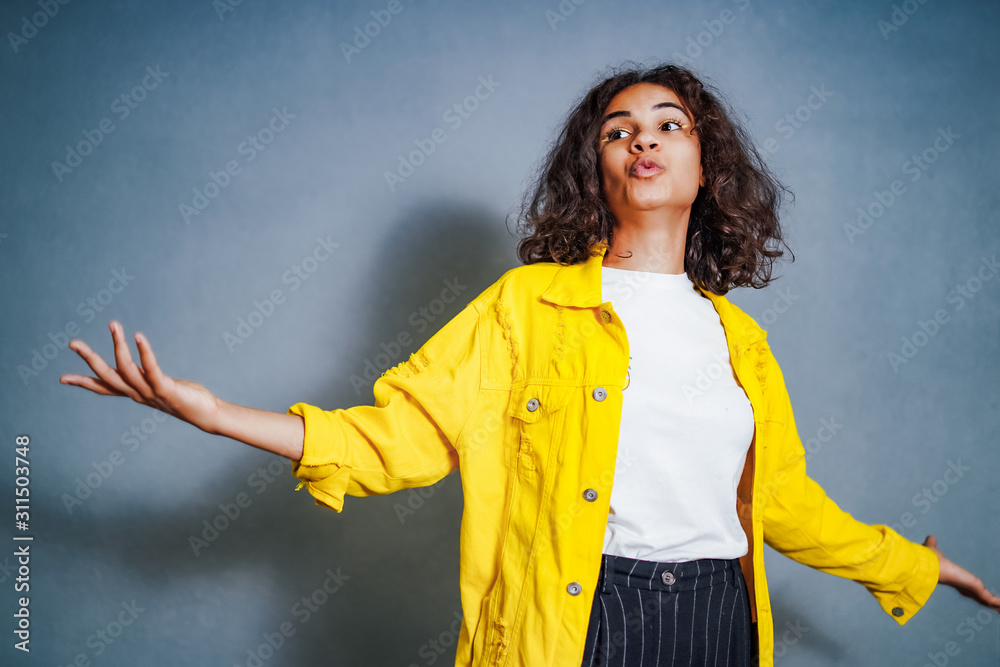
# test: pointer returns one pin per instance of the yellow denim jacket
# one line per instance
(522, 392)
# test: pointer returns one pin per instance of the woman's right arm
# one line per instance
(275, 432)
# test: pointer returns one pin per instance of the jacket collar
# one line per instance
(579, 286)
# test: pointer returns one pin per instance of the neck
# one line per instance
(652, 241)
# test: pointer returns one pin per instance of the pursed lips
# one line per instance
(645, 167)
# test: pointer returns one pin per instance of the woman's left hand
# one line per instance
(961, 579)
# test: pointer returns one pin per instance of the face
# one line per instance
(648, 123)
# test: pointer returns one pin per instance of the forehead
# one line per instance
(641, 97)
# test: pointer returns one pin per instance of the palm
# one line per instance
(184, 397)
(961, 579)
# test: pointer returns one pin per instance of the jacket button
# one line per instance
(605, 316)
(533, 405)
(600, 393)
(574, 588)
(590, 495)
(897, 611)
(668, 578)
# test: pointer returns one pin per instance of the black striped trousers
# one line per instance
(691, 614)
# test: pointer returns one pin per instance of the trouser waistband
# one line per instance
(668, 577)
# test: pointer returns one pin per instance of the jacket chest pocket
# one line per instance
(537, 414)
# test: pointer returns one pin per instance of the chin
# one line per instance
(648, 204)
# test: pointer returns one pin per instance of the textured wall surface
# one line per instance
(172, 165)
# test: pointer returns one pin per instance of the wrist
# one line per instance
(215, 422)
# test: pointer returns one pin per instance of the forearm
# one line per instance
(275, 432)
(803, 523)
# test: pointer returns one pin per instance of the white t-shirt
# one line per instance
(686, 425)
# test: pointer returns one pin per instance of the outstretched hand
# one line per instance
(144, 384)
(961, 579)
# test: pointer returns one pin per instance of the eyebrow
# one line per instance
(661, 105)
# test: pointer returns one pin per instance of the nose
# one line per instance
(644, 140)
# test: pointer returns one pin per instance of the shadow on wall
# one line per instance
(392, 576)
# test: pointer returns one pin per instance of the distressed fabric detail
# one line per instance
(761, 366)
(503, 318)
(500, 645)
(417, 362)
(526, 458)
(560, 352)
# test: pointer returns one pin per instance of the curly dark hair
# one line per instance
(733, 234)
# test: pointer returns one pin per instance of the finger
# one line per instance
(93, 384)
(107, 374)
(150, 369)
(985, 596)
(972, 587)
(128, 368)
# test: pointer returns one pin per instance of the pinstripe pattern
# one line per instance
(700, 620)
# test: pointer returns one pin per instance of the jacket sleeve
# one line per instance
(407, 438)
(801, 522)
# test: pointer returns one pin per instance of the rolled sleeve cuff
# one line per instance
(907, 602)
(321, 468)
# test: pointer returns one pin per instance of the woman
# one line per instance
(617, 488)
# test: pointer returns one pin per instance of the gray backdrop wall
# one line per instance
(172, 164)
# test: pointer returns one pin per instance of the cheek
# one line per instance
(694, 153)
(609, 176)
(694, 163)
(697, 155)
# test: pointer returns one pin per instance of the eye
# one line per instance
(611, 135)
(614, 134)
(679, 124)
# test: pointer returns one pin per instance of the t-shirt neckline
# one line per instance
(646, 278)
